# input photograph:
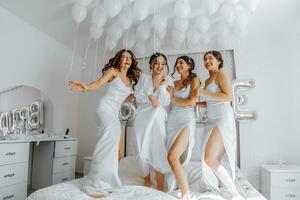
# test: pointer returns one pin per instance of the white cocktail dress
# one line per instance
(103, 174)
(179, 118)
(220, 114)
(150, 126)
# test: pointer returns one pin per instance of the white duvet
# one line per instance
(132, 190)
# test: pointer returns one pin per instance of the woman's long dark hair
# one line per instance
(217, 55)
(154, 57)
(133, 72)
(191, 63)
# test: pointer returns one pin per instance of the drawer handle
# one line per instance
(65, 163)
(8, 197)
(9, 175)
(292, 180)
(67, 148)
(64, 179)
(290, 195)
(10, 153)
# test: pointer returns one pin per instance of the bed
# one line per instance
(132, 187)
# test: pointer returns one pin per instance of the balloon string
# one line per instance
(127, 33)
(210, 34)
(185, 49)
(154, 34)
(95, 60)
(86, 52)
(73, 53)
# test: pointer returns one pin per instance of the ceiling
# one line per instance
(276, 18)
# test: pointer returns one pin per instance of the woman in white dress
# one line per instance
(120, 75)
(219, 136)
(150, 120)
(181, 123)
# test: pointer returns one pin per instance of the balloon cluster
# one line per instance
(148, 21)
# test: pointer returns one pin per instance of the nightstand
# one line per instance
(87, 164)
(280, 182)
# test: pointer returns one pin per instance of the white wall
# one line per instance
(273, 64)
(30, 57)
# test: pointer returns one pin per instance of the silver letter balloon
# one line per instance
(240, 101)
(22, 120)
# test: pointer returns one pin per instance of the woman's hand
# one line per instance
(154, 101)
(202, 92)
(171, 91)
(76, 85)
(157, 81)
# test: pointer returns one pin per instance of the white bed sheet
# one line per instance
(132, 180)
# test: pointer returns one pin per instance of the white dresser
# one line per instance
(13, 170)
(280, 182)
(54, 162)
(51, 160)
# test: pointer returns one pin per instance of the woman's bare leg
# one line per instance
(97, 195)
(177, 149)
(160, 178)
(120, 148)
(213, 154)
(147, 181)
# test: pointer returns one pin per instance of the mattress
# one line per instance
(132, 188)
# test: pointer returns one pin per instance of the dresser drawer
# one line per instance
(13, 174)
(289, 179)
(63, 177)
(13, 153)
(64, 164)
(285, 193)
(14, 192)
(65, 148)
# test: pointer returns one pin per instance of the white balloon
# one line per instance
(181, 24)
(140, 49)
(143, 32)
(178, 36)
(96, 32)
(202, 24)
(98, 16)
(113, 7)
(129, 41)
(140, 9)
(227, 11)
(79, 13)
(110, 43)
(211, 6)
(115, 31)
(182, 9)
(159, 22)
(125, 20)
(193, 36)
(84, 2)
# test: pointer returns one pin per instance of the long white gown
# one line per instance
(104, 166)
(220, 114)
(179, 118)
(150, 126)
